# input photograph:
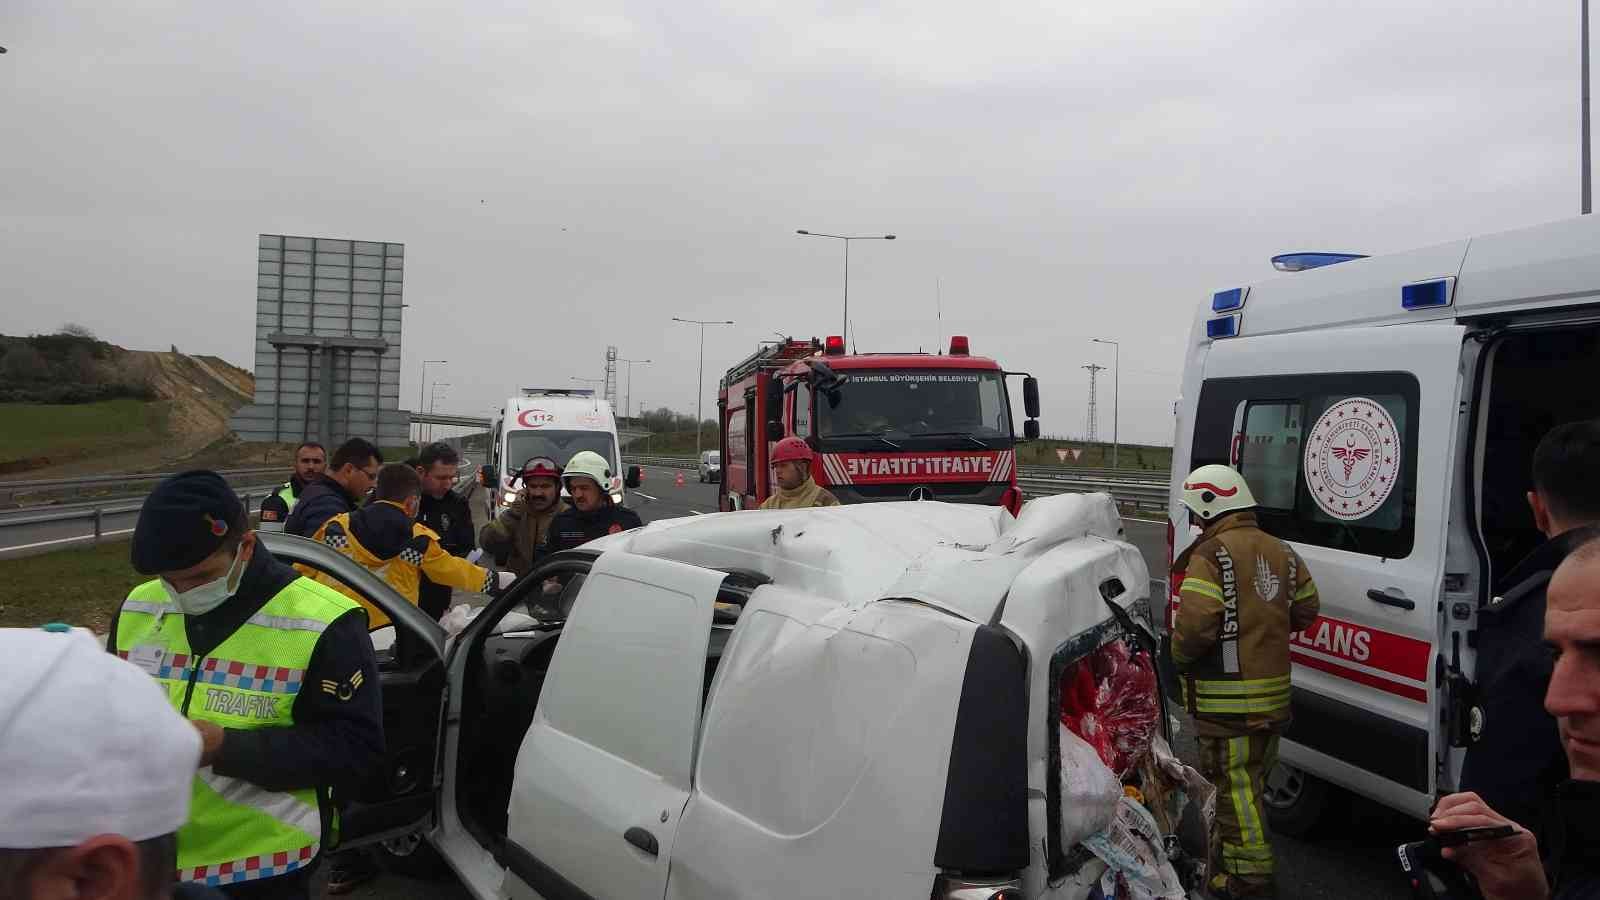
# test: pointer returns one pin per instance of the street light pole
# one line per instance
(627, 394)
(700, 379)
(422, 383)
(847, 238)
(1584, 28)
(433, 395)
(1116, 398)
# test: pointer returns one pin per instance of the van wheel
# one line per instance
(1297, 802)
(412, 856)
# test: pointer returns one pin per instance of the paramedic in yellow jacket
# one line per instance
(385, 537)
(1243, 593)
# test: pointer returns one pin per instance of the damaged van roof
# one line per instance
(961, 558)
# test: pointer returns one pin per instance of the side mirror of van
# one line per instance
(633, 478)
(487, 476)
(1030, 397)
(1030, 429)
(775, 431)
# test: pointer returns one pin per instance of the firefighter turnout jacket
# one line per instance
(515, 536)
(1243, 593)
(398, 550)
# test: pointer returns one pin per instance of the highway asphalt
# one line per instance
(1354, 859)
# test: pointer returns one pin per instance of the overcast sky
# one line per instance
(568, 175)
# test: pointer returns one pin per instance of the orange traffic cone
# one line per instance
(679, 480)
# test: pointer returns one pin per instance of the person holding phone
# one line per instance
(1511, 868)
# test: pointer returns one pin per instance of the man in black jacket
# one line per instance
(1510, 868)
(593, 514)
(351, 474)
(276, 671)
(1518, 763)
(447, 513)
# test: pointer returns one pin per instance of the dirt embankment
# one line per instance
(191, 400)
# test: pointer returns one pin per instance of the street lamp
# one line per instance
(1584, 101)
(847, 238)
(423, 383)
(700, 391)
(627, 394)
(433, 395)
(1116, 396)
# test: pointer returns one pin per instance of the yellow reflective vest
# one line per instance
(237, 831)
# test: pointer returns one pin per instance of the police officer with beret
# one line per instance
(275, 671)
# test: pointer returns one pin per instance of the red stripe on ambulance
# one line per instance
(1408, 691)
(1393, 653)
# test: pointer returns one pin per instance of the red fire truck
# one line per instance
(884, 426)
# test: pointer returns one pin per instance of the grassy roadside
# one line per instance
(67, 430)
(81, 586)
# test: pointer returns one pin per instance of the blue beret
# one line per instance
(183, 521)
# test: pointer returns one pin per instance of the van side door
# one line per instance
(1347, 439)
(604, 772)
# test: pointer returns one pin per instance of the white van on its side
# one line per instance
(556, 423)
(1385, 411)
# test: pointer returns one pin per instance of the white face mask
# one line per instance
(206, 597)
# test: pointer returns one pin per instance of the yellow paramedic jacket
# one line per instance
(383, 538)
(1243, 593)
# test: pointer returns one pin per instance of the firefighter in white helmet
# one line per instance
(589, 480)
(1243, 593)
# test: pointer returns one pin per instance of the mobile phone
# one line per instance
(1470, 835)
(1432, 876)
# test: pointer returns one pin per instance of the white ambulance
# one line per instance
(1385, 412)
(552, 422)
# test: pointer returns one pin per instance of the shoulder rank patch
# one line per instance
(343, 690)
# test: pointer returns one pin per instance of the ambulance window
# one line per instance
(1319, 453)
(1269, 451)
(802, 411)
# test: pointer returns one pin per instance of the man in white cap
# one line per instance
(98, 771)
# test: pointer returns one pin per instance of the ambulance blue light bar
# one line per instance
(1299, 262)
(1434, 294)
(1223, 301)
(1223, 327)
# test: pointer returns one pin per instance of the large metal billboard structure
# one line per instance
(327, 342)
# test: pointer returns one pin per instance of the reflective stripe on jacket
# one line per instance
(1243, 593)
(421, 555)
(237, 831)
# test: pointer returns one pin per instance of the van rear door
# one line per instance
(1347, 438)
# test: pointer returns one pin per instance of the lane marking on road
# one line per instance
(646, 496)
(696, 512)
(85, 537)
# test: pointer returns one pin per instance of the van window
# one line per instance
(1317, 481)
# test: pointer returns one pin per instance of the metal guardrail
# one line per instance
(1139, 495)
(10, 489)
(666, 462)
(98, 513)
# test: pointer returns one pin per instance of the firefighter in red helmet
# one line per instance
(793, 486)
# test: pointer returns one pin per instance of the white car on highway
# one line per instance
(710, 466)
(856, 701)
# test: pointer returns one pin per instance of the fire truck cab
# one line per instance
(884, 426)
